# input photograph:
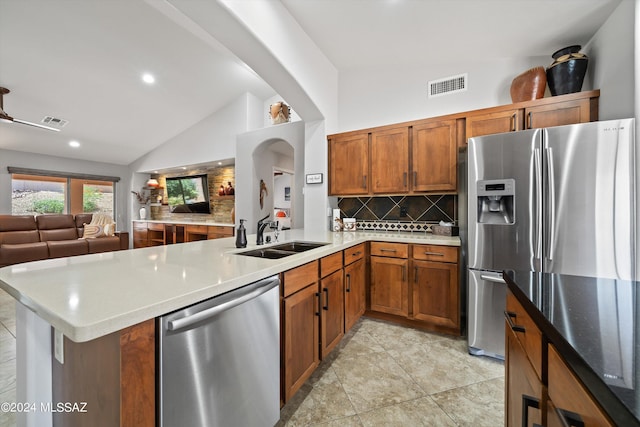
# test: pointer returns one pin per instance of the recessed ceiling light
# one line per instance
(74, 144)
(148, 78)
(220, 163)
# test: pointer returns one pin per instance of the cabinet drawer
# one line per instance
(197, 229)
(394, 250)
(155, 226)
(300, 277)
(353, 254)
(330, 263)
(578, 401)
(436, 253)
(526, 331)
(220, 230)
(137, 225)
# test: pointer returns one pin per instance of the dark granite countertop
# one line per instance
(594, 325)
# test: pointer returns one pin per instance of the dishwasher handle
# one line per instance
(253, 291)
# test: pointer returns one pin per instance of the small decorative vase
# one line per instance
(566, 73)
(529, 85)
(143, 213)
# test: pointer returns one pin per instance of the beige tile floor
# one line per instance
(380, 375)
(387, 375)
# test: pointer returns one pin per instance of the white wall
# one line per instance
(612, 68)
(213, 138)
(388, 94)
(62, 164)
(250, 171)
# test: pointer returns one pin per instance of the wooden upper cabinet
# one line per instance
(434, 151)
(349, 164)
(494, 122)
(390, 161)
(558, 114)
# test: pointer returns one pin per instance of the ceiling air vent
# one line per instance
(448, 85)
(54, 122)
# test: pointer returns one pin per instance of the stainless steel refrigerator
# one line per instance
(557, 200)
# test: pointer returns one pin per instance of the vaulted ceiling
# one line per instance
(82, 60)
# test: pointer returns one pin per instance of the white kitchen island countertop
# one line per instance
(89, 296)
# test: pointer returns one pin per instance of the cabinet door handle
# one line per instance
(569, 419)
(415, 274)
(388, 250)
(528, 402)
(348, 283)
(515, 328)
(404, 179)
(513, 121)
(404, 273)
(434, 253)
(364, 181)
(326, 306)
(415, 178)
(357, 253)
(529, 120)
(319, 296)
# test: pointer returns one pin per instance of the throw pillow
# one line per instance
(92, 231)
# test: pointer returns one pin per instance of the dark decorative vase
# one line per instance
(566, 73)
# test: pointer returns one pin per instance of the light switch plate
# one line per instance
(58, 346)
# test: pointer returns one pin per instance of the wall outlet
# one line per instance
(58, 346)
(403, 212)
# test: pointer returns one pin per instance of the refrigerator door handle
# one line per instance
(538, 204)
(552, 204)
(492, 278)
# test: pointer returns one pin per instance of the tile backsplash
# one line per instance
(400, 213)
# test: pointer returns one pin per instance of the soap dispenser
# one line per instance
(241, 235)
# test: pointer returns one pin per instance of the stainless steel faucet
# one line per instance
(262, 224)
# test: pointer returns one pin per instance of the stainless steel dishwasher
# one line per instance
(219, 360)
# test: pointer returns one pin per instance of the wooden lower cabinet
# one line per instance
(540, 388)
(436, 293)
(389, 289)
(300, 336)
(151, 233)
(332, 312)
(569, 401)
(523, 387)
(354, 292)
(416, 285)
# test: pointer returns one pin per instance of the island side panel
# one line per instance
(113, 374)
(138, 375)
(89, 375)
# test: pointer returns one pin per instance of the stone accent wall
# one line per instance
(222, 207)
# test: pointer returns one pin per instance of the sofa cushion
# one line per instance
(18, 229)
(63, 248)
(56, 227)
(81, 220)
(23, 252)
(17, 223)
(104, 244)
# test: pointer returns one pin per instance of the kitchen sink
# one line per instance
(298, 246)
(282, 250)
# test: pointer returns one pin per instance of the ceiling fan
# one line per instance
(7, 118)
